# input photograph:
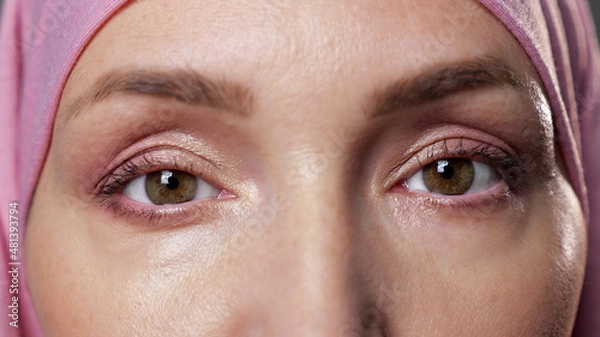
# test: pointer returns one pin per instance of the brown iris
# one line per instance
(170, 187)
(449, 176)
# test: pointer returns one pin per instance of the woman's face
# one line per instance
(293, 168)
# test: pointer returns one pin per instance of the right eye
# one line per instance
(168, 187)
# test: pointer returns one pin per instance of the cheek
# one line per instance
(559, 215)
(497, 281)
(91, 277)
(86, 280)
(61, 272)
(511, 274)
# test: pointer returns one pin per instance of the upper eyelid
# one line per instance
(454, 146)
(145, 163)
(457, 148)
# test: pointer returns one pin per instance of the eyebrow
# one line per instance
(186, 86)
(437, 84)
(192, 88)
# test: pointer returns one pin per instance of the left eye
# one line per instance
(453, 176)
(168, 187)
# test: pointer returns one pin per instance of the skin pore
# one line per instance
(316, 130)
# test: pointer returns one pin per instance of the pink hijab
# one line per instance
(40, 41)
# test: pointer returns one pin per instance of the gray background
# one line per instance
(594, 4)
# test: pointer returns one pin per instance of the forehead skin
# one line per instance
(250, 42)
(336, 259)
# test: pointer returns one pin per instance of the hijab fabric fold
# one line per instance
(40, 41)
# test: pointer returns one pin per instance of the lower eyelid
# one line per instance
(485, 203)
(126, 212)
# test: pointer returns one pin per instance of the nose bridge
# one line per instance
(315, 242)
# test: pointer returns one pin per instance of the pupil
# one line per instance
(445, 170)
(172, 183)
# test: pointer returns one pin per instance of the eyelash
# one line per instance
(130, 170)
(512, 168)
(114, 183)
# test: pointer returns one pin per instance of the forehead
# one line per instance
(301, 40)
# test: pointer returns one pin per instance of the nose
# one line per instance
(313, 286)
(309, 285)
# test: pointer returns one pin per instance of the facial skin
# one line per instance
(318, 227)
